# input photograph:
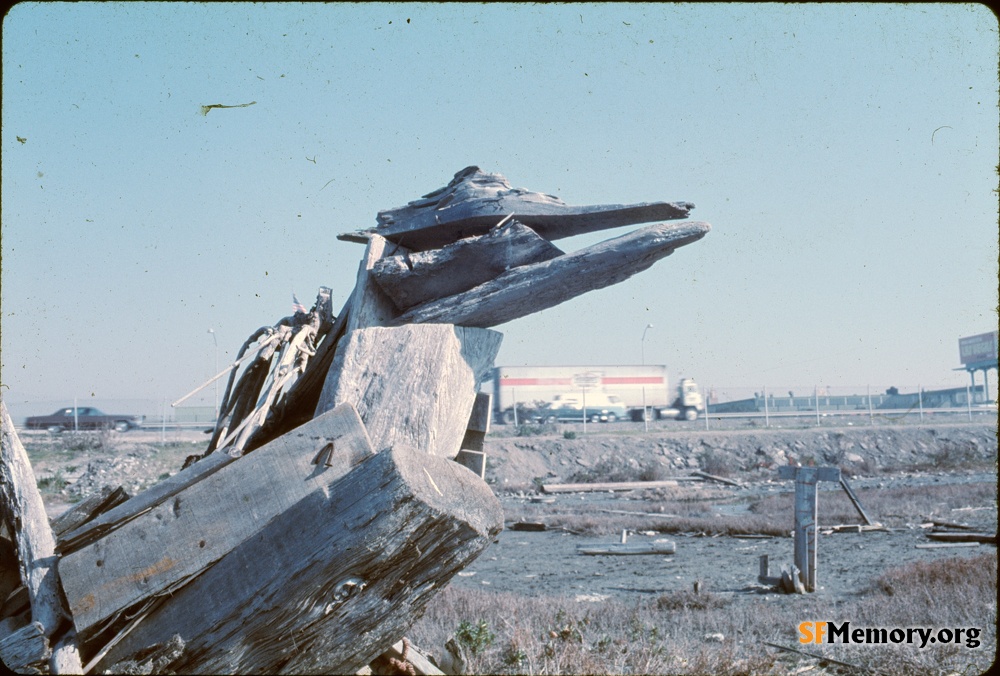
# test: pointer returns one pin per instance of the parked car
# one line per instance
(84, 418)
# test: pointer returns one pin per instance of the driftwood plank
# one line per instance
(21, 508)
(531, 288)
(615, 486)
(141, 503)
(416, 278)
(334, 579)
(628, 548)
(181, 536)
(475, 201)
(985, 538)
(90, 508)
(412, 385)
(25, 647)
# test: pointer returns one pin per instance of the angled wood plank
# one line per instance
(475, 201)
(419, 277)
(141, 503)
(532, 288)
(87, 510)
(412, 385)
(197, 526)
(332, 581)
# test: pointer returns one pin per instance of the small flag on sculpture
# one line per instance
(296, 305)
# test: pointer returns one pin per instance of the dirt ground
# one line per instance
(874, 457)
(546, 562)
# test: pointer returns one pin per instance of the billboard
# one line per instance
(976, 349)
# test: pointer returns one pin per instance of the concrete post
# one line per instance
(806, 516)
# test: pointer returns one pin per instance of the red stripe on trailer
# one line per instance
(633, 380)
(525, 382)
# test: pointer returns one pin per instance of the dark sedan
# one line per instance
(84, 418)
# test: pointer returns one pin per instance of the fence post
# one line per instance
(816, 396)
(871, 415)
(767, 420)
(920, 400)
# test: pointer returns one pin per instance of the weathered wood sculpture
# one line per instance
(332, 502)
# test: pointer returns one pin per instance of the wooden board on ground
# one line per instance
(413, 386)
(985, 538)
(615, 485)
(180, 537)
(628, 548)
(532, 288)
(344, 572)
(411, 279)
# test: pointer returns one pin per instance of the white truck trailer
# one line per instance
(636, 388)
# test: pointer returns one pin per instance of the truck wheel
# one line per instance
(612, 417)
(691, 414)
(508, 417)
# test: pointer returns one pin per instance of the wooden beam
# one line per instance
(713, 477)
(479, 424)
(181, 536)
(402, 653)
(985, 538)
(114, 518)
(628, 548)
(946, 545)
(412, 385)
(411, 279)
(531, 288)
(854, 500)
(615, 485)
(88, 509)
(474, 460)
(22, 650)
(22, 510)
(335, 578)
(475, 201)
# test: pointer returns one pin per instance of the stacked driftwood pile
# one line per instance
(328, 509)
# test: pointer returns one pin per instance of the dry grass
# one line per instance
(680, 633)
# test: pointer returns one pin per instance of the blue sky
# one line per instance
(845, 155)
